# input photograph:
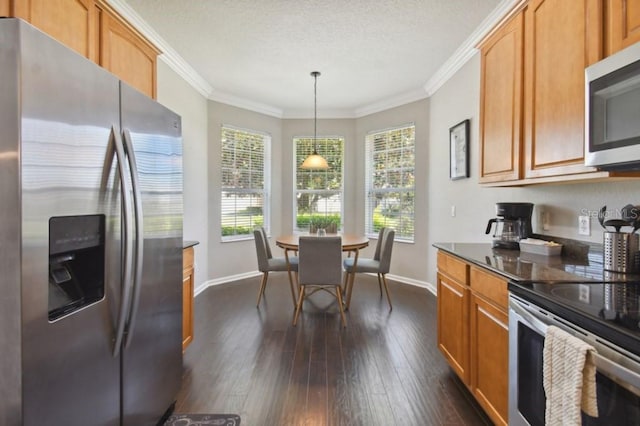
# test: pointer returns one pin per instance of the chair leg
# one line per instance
(293, 291)
(350, 290)
(263, 284)
(380, 284)
(298, 306)
(386, 289)
(339, 296)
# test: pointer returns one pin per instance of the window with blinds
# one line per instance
(318, 193)
(245, 182)
(390, 182)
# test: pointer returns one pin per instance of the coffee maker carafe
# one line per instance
(512, 224)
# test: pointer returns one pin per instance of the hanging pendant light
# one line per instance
(315, 160)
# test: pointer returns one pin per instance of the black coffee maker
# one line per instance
(512, 224)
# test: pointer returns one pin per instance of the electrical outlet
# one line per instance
(584, 225)
(546, 220)
(584, 293)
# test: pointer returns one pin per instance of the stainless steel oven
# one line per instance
(617, 377)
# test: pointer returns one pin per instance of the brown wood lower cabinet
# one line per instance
(473, 333)
(187, 296)
(489, 354)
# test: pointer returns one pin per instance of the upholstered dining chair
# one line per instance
(267, 263)
(320, 268)
(379, 265)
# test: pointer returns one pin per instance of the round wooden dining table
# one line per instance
(350, 242)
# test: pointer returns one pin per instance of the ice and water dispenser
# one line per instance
(76, 263)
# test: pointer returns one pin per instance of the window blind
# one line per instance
(390, 182)
(245, 182)
(318, 193)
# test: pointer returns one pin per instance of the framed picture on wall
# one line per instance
(459, 151)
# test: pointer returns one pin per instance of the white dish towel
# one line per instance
(569, 378)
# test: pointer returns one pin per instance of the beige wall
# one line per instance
(179, 96)
(459, 99)
(406, 260)
(456, 100)
(237, 258)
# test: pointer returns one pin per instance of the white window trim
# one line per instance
(294, 205)
(266, 192)
(369, 181)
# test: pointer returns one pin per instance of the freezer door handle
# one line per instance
(125, 302)
(139, 240)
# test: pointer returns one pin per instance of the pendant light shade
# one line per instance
(315, 161)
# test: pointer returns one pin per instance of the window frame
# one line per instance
(320, 140)
(264, 192)
(370, 192)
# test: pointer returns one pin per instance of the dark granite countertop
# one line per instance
(189, 243)
(576, 264)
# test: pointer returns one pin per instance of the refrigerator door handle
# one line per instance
(139, 252)
(128, 243)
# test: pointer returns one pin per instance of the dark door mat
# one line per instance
(203, 420)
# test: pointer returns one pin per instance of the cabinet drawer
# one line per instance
(453, 267)
(490, 286)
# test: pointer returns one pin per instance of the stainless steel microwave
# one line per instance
(612, 109)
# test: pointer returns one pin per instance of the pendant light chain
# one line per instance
(315, 160)
(315, 111)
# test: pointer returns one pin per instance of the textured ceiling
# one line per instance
(261, 52)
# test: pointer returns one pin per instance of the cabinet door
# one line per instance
(489, 352)
(453, 329)
(71, 22)
(187, 297)
(126, 54)
(4, 8)
(623, 24)
(501, 103)
(558, 47)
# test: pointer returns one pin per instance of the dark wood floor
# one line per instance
(383, 369)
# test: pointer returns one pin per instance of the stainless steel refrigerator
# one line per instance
(90, 241)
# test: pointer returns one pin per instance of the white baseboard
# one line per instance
(224, 280)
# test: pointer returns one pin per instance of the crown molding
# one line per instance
(168, 55)
(322, 114)
(468, 49)
(236, 101)
(395, 101)
(465, 52)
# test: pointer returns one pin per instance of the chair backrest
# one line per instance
(320, 260)
(386, 249)
(266, 242)
(261, 250)
(376, 255)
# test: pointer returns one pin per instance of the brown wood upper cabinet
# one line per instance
(5, 8)
(622, 26)
(94, 30)
(532, 116)
(126, 53)
(501, 103)
(71, 22)
(558, 47)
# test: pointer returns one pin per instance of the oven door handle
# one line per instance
(533, 322)
(620, 374)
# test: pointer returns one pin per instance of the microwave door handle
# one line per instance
(127, 246)
(139, 252)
